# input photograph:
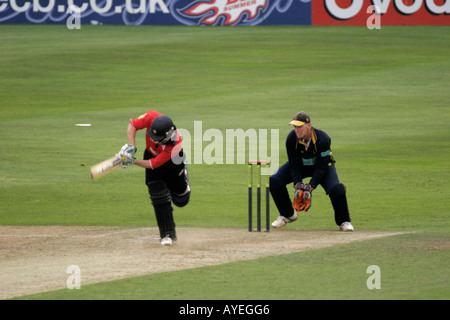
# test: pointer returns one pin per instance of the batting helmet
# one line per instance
(162, 129)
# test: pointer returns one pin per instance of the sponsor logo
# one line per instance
(392, 12)
(156, 12)
(231, 11)
(404, 7)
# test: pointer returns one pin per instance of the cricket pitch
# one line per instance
(35, 259)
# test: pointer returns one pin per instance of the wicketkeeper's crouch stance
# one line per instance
(309, 155)
(166, 174)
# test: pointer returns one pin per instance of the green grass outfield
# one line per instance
(382, 95)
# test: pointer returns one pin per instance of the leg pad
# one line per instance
(161, 201)
(338, 199)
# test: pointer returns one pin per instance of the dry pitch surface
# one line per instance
(35, 259)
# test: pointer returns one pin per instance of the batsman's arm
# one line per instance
(126, 162)
(144, 164)
(159, 160)
(131, 134)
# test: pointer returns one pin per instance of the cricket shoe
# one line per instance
(166, 241)
(282, 220)
(346, 226)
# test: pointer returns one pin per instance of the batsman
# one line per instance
(165, 166)
(309, 155)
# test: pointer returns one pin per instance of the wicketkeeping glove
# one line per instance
(302, 199)
(306, 197)
(298, 200)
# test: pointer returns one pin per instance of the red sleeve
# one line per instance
(145, 120)
(167, 153)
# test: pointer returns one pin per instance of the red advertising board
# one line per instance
(392, 12)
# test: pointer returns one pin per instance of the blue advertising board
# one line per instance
(158, 12)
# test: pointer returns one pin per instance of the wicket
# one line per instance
(258, 164)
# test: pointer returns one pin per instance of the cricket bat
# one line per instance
(100, 169)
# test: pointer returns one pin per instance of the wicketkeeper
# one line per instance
(165, 166)
(309, 155)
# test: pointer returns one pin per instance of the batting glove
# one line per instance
(126, 162)
(128, 151)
